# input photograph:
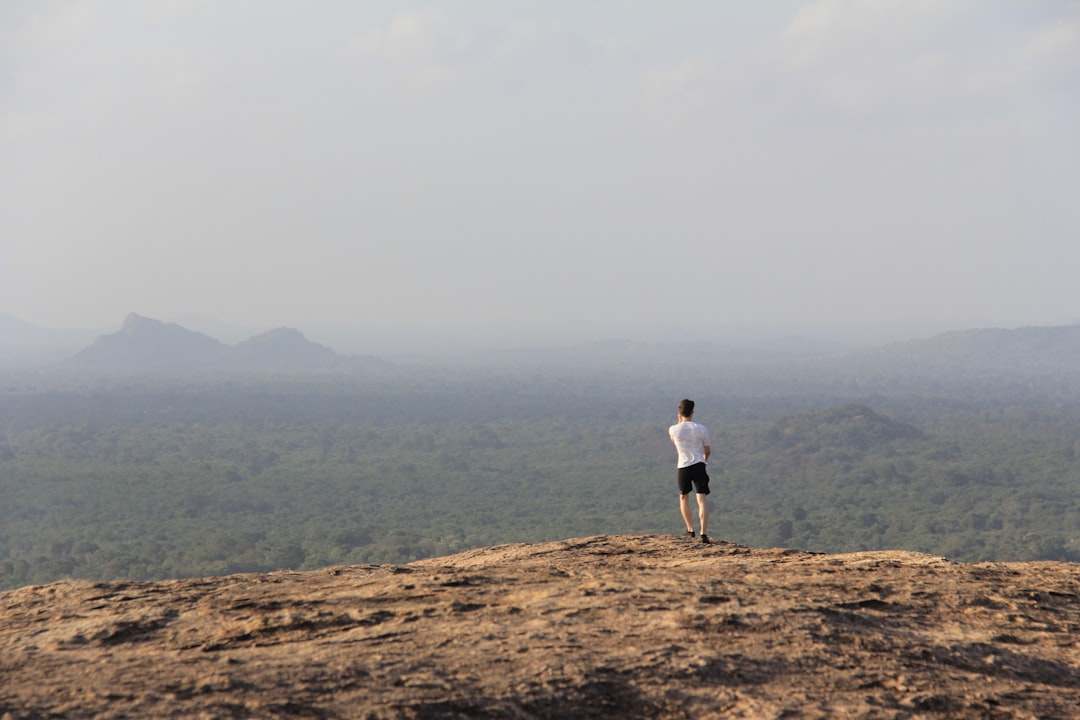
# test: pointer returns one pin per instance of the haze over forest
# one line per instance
(396, 177)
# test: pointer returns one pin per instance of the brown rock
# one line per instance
(628, 627)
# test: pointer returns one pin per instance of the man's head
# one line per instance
(686, 408)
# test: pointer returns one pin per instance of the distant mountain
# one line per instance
(1022, 349)
(14, 331)
(143, 343)
(147, 344)
(281, 348)
(23, 343)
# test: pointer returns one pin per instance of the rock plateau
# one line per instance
(639, 626)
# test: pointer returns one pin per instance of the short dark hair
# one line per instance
(686, 408)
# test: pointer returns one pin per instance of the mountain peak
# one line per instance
(282, 347)
(135, 322)
(143, 343)
(283, 332)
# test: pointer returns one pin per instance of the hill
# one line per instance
(143, 343)
(1025, 349)
(23, 343)
(637, 626)
(146, 344)
(851, 426)
(18, 332)
(281, 348)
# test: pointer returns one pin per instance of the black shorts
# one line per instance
(695, 476)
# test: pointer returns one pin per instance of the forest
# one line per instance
(153, 476)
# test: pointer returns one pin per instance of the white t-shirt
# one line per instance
(690, 439)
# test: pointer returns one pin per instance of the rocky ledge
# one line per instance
(638, 626)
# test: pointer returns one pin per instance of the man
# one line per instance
(691, 439)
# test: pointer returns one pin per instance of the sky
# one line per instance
(564, 168)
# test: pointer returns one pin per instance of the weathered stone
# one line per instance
(609, 626)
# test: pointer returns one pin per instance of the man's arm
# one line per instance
(708, 452)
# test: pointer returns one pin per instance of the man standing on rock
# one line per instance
(692, 441)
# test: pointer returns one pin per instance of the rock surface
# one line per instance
(639, 626)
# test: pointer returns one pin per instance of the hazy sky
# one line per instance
(548, 164)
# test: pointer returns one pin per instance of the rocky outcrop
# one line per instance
(146, 344)
(624, 627)
(281, 348)
(143, 343)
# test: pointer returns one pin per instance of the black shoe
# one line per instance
(690, 533)
(705, 539)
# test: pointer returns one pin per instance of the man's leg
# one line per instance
(684, 508)
(703, 511)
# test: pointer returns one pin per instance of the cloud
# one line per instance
(1052, 53)
(421, 43)
(827, 28)
(866, 58)
(501, 53)
(676, 93)
(871, 58)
